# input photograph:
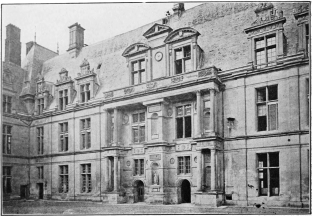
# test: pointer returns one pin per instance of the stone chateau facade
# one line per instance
(208, 106)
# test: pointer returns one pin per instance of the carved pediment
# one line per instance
(180, 34)
(84, 63)
(156, 29)
(135, 49)
(302, 13)
(64, 78)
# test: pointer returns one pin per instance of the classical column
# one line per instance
(212, 110)
(115, 173)
(199, 171)
(115, 142)
(105, 128)
(213, 169)
(199, 112)
(106, 173)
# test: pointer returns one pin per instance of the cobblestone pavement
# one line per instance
(58, 207)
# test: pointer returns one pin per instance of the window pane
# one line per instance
(135, 66)
(274, 182)
(274, 159)
(143, 77)
(271, 55)
(178, 54)
(272, 91)
(272, 116)
(136, 167)
(135, 78)
(179, 127)
(262, 160)
(188, 126)
(263, 182)
(187, 65)
(135, 135)
(260, 57)
(142, 133)
(262, 123)
(187, 110)
(271, 40)
(180, 111)
(180, 161)
(178, 66)
(187, 165)
(135, 118)
(259, 43)
(207, 121)
(141, 166)
(187, 51)
(262, 110)
(142, 65)
(142, 117)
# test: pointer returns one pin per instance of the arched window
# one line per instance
(154, 126)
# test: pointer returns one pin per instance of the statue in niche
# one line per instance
(155, 178)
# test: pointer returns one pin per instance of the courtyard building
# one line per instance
(207, 106)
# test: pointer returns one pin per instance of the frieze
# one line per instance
(137, 151)
(151, 85)
(184, 147)
(129, 90)
(176, 79)
(154, 149)
(108, 95)
(206, 72)
(155, 157)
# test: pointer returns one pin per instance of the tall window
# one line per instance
(85, 133)
(308, 100)
(86, 186)
(64, 136)
(7, 104)
(267, 108)
(184, 121)
(63, 99)
(7, 179)
(85, 92)
(307, 38)
(40, 140)
(268, 174)
(184, 164)
(138, 72)
(40, 105)
(6, 139)
(40, 172)
(63, 188)
(138, 166)
(138, 127)
(183, 59)
(265, 51)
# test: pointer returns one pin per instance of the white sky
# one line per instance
(101, 21)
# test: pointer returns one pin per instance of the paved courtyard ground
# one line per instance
(60, 207)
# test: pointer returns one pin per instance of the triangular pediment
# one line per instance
(135, 49)
(156, 29)
(180, 34)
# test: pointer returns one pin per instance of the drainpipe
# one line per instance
(245, 110)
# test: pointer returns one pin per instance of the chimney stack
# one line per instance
(13, 47)
(76, 39)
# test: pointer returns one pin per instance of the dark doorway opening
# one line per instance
(24, 191)
(185, 192)
(139, 191)
(40, 187)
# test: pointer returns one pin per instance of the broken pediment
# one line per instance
(135, 49)
(180, 34)
(156, 29)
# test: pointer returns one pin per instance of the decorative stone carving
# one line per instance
(128, 90)
(135, 49)
(263, 6)
(169, 112)
(156, 178)
(108, 95)
(125, 119)
(172, 161)
(176, 79)
(156, 29)
(184, 147)
(195, 159)
(206, 72)
(180, 34)
(136, 151)
(128, 163)
(151, 85)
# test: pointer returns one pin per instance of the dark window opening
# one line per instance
(183, 60)
(228, 196)
(179, 127)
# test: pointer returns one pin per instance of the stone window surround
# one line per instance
(40, 170)
(63, 178)
(139, 71)
(266, 49)
(63, 134)
(177, 166)
(85, 133)
(138, 125)
(40, 140)
(7, 177)
(63, 98)
(139, 174)
(7, 137)
(175, 106)
(85, 172)
(139, 57)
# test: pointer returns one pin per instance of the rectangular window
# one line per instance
(63, 187)
(268, 174)
(85, 92)
(7, 179)
(40, 172)
(138, 127)
(267, 108)
(184, 165)
(6, 139)
(85, 133)
(265, 51)
(63, 137)
(63, 99)
(86, 186)
(40, 105)
(138, 74)
(7, 104)
(112, 128)
(40, 140)
(308, 100)
(138, 166)
(183, 61)
(307, 39)
(184, 121)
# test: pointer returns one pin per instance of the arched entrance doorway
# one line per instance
(185, 191)
(139, 191)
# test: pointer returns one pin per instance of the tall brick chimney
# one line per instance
(13, 47)
(76, 38)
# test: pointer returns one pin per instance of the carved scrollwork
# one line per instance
(128, 90)
(176, 79)
(108, 95)
(151, 85)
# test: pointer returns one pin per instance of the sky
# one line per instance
(101, 20)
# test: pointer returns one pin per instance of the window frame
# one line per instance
(7, 177)
(139, 170)
(183, 120)
(63, 178)
(139, 126)
(265, 48)
(184, 169)
(85, 173)
(85, 133)
(63, 137)
(184, 58)
(40, 140)
(40, 105)
(139, 61)
(85, 92)
(266, 103)
(268, 168)
(7, 139)
(7, 103)
(40, 170)
(63, 99)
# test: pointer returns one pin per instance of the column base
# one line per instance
(212, 199)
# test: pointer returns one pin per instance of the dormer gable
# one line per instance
(156, 29)
(135, 49)
(181, 34)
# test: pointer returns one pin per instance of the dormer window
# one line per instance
(63, 99)
(265, 51)
(138, 72)
(183, 59)
(85, 92)
(40, 106)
